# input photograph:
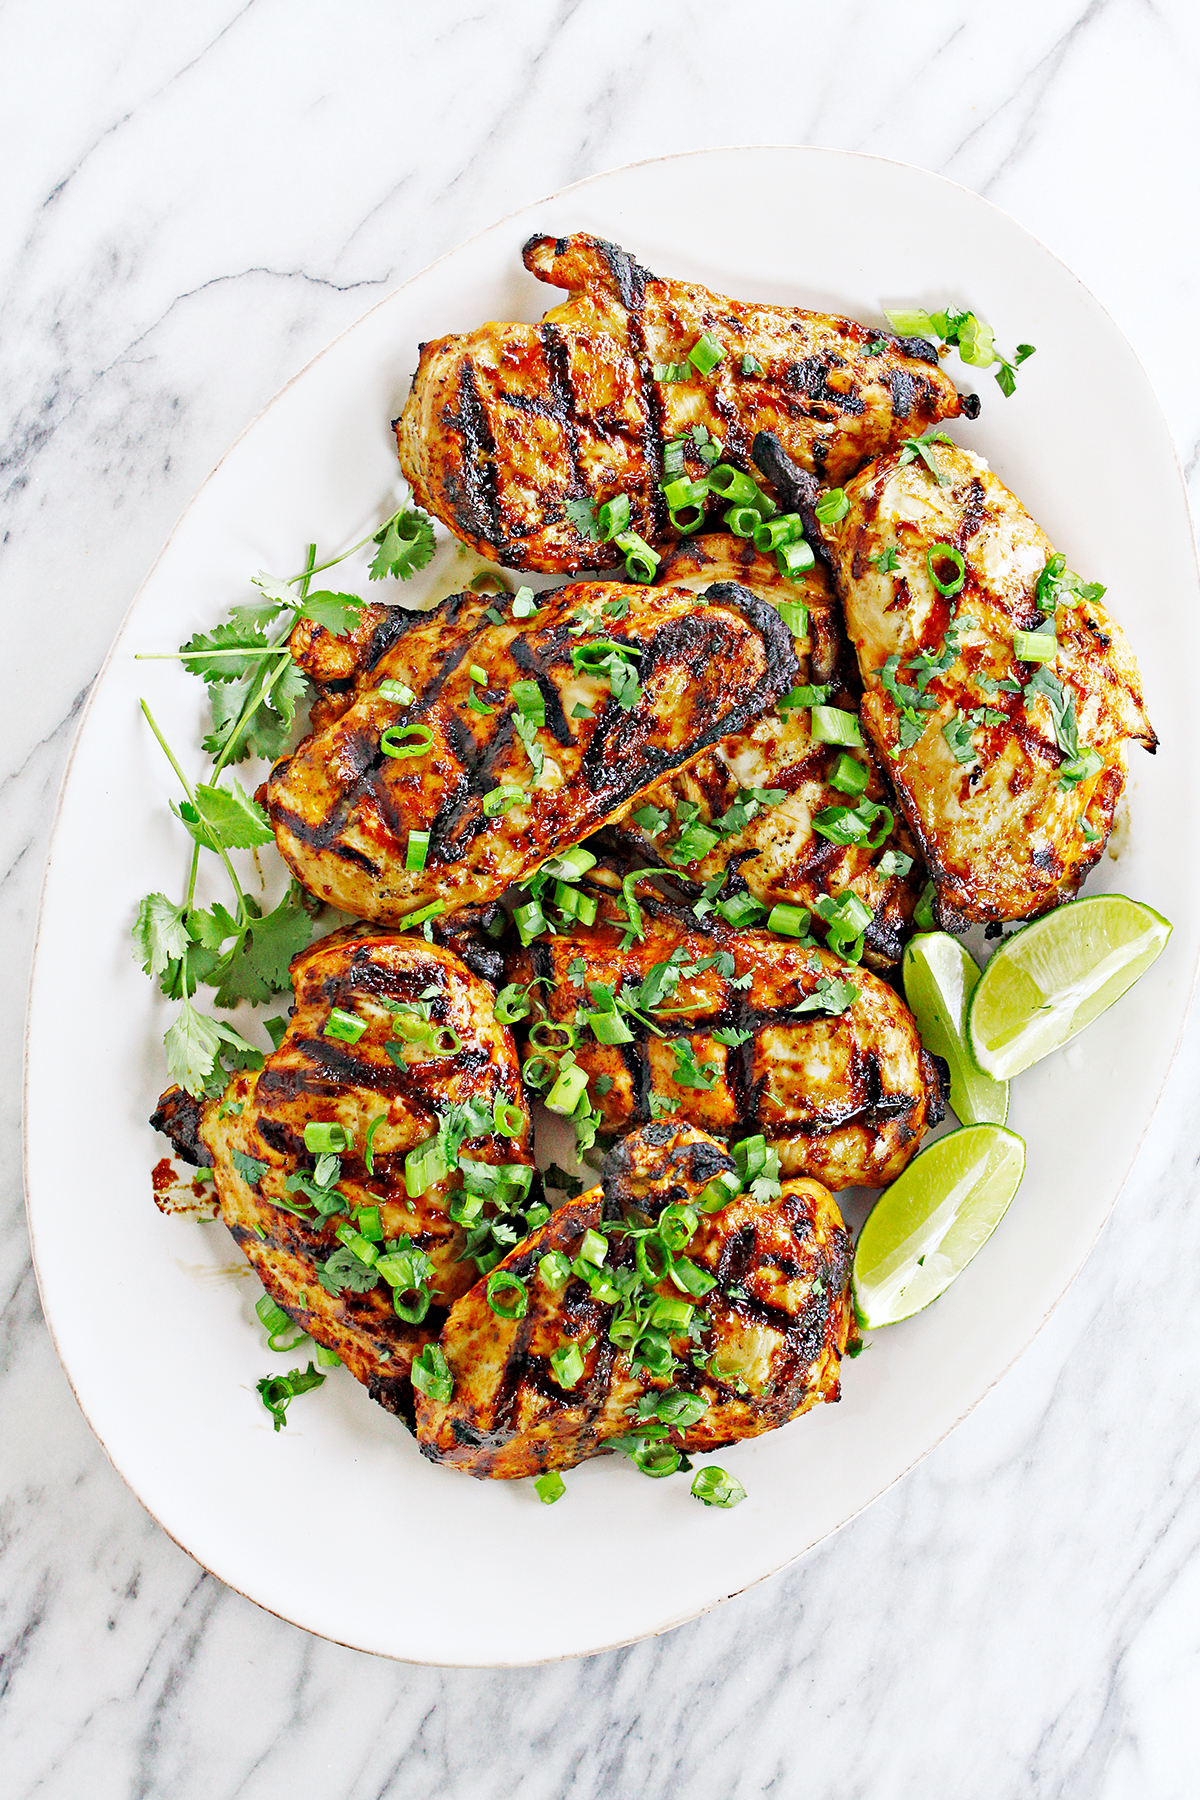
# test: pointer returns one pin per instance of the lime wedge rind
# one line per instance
(1050, 980)
(940, 978)
(933, 1221)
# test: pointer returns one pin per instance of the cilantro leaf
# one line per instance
(192, 1043)
(249, 1168)
(212, 928)
(732, 1036)
(833, 995)
(687, 1072)
(582, 514)
(258, 965)
(527, 731)
(957, 733)
(199, 656)
(232, 820)
(1062, 708)
(923, 447)
(406, 544)
(160, 936)
(886, 561)
(344, 1272)
(336, 613)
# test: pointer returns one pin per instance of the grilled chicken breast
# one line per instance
(842, 1095)
(507, 424)
(778, 856)
(764, 1344)
(431, 1056)
(1008, 770)
(489, 777)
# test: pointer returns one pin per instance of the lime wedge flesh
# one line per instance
(929, 1224)
(940, 976)
(1051, 979)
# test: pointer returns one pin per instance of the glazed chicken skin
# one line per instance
(431, 1055)
(520, 739)
(778, 856)
(845, 1096)
(1008, 770)
(762, 1346)
(509, 423)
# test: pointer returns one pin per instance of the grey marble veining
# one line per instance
(195, 200)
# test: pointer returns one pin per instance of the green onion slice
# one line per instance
(567, 1091)
(343, 1027)
(1035, 646)
(936, 557)
(397, 691)
(406, 740)
(369, 1145)
(326, 1139)
(507, 1294)
(502, 799)
(431, 1374)
(567, 1364)
(547, 1035)
(705, 354)
(416, 850)
(549, 1487)
(832, 506)
(716, 1488)
(832, 725)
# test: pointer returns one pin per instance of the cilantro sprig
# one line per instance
(970, 335)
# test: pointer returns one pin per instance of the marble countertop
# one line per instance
(195, 200)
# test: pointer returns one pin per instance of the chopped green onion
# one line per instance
(425, 1167)
(715, 1488)
(1035, 646)
(613, 517)
(751, 365)
(654, 1352)
(680, 1409)
(369, 1223)
(502, 799)
(705, 354)
(743, 521)
(529, 920)
(343, 1026)
(690, 1278)
(794, 559)
(425, 912)
(512, 1003)
(640, 560)
(547, 1035)
(567, 1364)
(789, 921)
(549, 1487)
(784, 528)
(508, 1119)
(668, 372)
(431, 1374)
(794, 616)
(720, 1191)
(671, 1315)
(832, 725)
(570, 865)
(575, 903)
(478, 674)
(507, 1294)
(909, 323)
(554, 1271)
(593, 1247)
(394, 740)
(369, 1145)
(487, 581)
(946, 553)
(653, 1258)
(677, 1226)
(567, 1091)
(397, 691)
(683, 492)
(923, 917)
(325, 1139)
(524, 604)
(832, 506)
(798, 697)
(279, 1326)
(848, 775)
(277, 1391)
(417, 850)
(327, 1358)
(354, 1241)
(741, 909)
(732, 485)
(608, 1027)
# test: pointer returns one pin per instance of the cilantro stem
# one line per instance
(188, 790)
(316, 568)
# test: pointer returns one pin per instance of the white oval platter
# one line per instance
(337, 1523)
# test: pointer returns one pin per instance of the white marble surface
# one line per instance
(194, 201)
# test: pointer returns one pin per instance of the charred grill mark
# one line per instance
(904, 390)
(918, 347)
(972, 514)
(177, 1116)
(637, 1064)
(810, 377)
(629, 275)
(476, 506)
(558, 370)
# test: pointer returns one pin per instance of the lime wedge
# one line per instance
(1051, 979)
(929, 1224)
(940, 976)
